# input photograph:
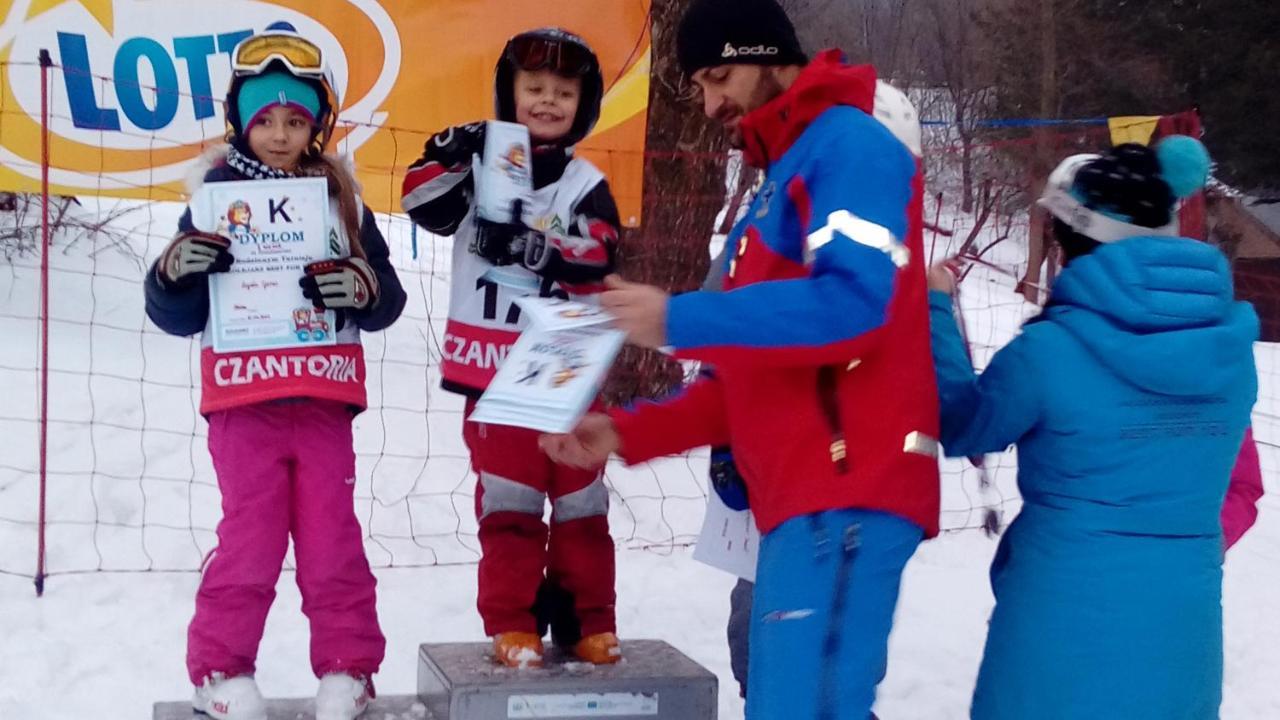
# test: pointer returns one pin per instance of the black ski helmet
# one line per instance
(321, 79)
(566, 54)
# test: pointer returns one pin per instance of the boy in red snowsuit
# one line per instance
(550, 81)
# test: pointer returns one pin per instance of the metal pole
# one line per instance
(45, 64)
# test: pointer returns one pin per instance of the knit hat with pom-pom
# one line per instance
(1130, 190)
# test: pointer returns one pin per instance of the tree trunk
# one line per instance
(1037, 238)
(684, 170)
(966, 161)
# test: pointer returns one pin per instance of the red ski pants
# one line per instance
(517, 547)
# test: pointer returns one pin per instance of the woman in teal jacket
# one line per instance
(1127, 399)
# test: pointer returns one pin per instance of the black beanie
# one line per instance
(744, 32)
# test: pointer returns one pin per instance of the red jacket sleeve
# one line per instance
(694, 418)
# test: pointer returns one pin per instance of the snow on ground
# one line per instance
(107, 646)
(131, 490)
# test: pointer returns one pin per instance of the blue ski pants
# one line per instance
(826, 587)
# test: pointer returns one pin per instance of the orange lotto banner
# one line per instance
(136, 88)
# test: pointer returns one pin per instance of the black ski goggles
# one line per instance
(563, 57)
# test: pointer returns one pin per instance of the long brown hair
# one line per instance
(343, 187)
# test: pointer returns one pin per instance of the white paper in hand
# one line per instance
(505, 173)
(276, 227)
(552, 314)
(729, 540)
(555, 370)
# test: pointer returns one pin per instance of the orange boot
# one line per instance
(599, 649)
(518, 649)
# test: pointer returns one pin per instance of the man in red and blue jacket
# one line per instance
(823, 384)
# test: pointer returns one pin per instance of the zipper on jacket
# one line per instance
(829, 689)
(828, 400)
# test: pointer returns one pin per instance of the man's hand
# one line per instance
(639, 310)
(588, 446)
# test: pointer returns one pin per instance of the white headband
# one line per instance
(1060, 203)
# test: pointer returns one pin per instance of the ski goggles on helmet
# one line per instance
(299, 55)
(563, 57)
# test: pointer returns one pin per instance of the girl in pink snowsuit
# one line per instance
(280, 420)
(1240, 509)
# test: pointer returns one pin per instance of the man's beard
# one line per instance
(765, 90)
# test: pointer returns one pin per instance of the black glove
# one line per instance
(501, 243)
(193, 254)
(454, 147)
(726, 480)
(582, 255)
(336, 284)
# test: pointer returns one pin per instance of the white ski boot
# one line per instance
(230, 698)
(342, 697)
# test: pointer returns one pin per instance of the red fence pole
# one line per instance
(45, 64)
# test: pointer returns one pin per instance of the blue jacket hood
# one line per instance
(1159, 312)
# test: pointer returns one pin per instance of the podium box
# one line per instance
(460, 681)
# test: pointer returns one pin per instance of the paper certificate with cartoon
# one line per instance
(276, 227)
(504, 176)
(555, 370)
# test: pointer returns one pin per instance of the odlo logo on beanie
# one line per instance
(759, 50)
